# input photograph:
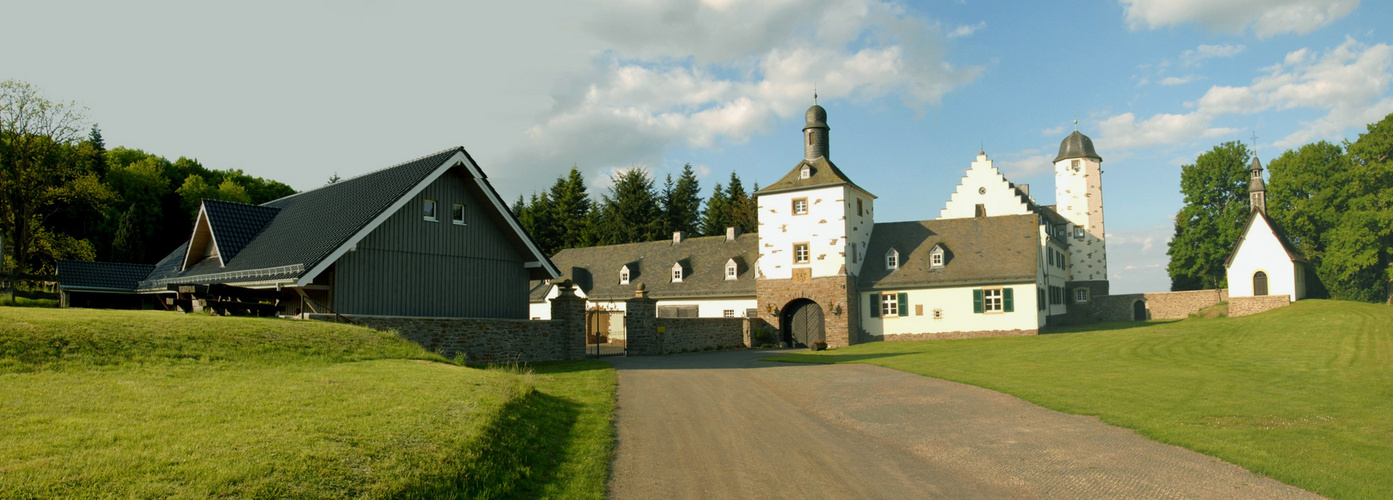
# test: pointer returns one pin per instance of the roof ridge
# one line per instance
(365, 174)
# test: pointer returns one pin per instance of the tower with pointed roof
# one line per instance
(1257, 189)
(814, 227)
(1078, 194)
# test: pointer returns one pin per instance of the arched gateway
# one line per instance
(802, 323)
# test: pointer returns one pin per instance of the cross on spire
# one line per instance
(1255, 140)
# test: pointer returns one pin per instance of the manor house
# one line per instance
(821, 268)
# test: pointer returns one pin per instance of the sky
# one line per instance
(301, 91)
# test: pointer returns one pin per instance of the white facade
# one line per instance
(706, 308)
(1078, 196)
(983, 185)
(950, 310)
(814, 229)
(1260, 250)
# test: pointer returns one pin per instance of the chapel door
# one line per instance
(1259, 283)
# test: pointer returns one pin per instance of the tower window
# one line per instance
(858, 207)
(1074, 164)
(800, 253)
(810, 138)
(1078, 233)
(800, 206)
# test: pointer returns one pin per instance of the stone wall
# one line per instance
(698, 334)
(831, 293)
(1243, 306)
(490, 340)
(959, 335)
(1163, 305)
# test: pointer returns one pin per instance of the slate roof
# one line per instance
(1077, 146)
(76, 275)
(236, 224)
(979, 250)
(301, 230)
(824, 173)
(596, 269)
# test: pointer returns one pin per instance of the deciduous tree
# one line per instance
(1208, 225)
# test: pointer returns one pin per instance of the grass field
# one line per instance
(153, 404)
(1302, 394)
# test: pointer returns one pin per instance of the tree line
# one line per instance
(1334, 202)
(634, 210)
(64, 195)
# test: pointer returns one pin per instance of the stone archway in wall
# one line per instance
(802, 322)
(1139, 310)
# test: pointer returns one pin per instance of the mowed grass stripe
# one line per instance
(120, 404)
(1303, 394)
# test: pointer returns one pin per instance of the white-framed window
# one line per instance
(624, 275)
(892, 259)
(807, 170)
(732, 270)
(1074, 165)
(991, 300)
(800, 206)
(1081, 295)
(429, 210)
(1078, 233)
(728, 313)
(677, 272)
(457, 214)
(889, 305)
(936, 256)
(800, 253)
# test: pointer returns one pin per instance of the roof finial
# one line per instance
(814, 94)
(1076, 122)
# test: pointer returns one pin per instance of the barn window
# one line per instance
(457, 214)
(429, 210)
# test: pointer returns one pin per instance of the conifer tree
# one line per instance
(570, 206)
(716, 217)
(682, 203)
(631, 212)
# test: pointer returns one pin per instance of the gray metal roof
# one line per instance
(596, 269)
(978, 250)
(1255, 182)
(1077, 146)
(76, 275)
(816, 117)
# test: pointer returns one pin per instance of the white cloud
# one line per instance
(701, 75)
(1194, 56)
(1025, 164)
(966, 30)
(1054, 131)
(1349, 82)
(1266, 18)
(1178, 80)
(1137, 259)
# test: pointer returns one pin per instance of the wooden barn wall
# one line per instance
(409, 266)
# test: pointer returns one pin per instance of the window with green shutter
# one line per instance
(904, 304)
(977, 300)
(875, 307)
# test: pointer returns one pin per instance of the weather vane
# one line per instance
(1076, 122)
(814, 93)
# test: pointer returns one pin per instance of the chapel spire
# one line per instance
(1257, 189)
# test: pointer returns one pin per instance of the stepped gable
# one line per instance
(979, 250)
(595, 270)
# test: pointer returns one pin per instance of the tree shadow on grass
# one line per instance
(517, 457)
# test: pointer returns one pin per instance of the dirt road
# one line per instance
(726, 425)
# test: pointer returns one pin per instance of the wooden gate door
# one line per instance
(806, 325)
(1139, 311)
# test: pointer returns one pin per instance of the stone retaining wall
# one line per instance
(955, 335)
(698, 334)
(1162, 305)
(490, 340)
(1243, 306)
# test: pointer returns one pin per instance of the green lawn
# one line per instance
(156, 404)
(1303, 394)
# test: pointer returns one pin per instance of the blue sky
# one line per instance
(299, 91)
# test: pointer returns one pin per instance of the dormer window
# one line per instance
(892, 259)
(732, 270)
(807, 170)
(429, 211)
(677, 272)
(624, 275)
(936, 256)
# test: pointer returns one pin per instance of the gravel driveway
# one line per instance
(726, 425)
